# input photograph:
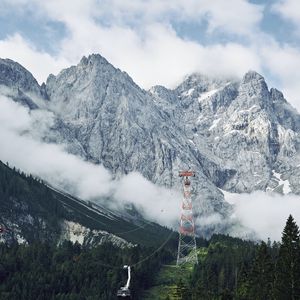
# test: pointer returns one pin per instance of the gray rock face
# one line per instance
(236, 134)
(123, 127)
(248, 128)
(14, 75)
(19, 84)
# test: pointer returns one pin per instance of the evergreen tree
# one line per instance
(182, 291)
(70, 271)
(243, 285)
(262, 274)
(287, 282)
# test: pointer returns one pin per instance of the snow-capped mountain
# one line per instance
(237, 135)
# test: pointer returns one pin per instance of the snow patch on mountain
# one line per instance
(285, 184)
(207, 94)
(214, 124)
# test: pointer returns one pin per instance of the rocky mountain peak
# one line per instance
(12, 74)
(94, 64)
(277, 95)
(92, 59)
(163, 96)
(80, 91)
(252, 76)
(201, 83)
(253, 90)
(234, 133)
(254, 83)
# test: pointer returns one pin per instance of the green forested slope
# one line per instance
(230, 268)
(35, 211)
(42, 271)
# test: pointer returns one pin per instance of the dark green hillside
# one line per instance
(30, 209)
(236, 269)
(233, 269)
(221, 261)
(229, 268)
(42, 271)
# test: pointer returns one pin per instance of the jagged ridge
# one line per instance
(237, 134)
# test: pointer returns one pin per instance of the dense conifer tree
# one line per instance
(262, 275)
(287, 284)
(70, 271)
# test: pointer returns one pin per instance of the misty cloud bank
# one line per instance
(21, 145)
(265, 213)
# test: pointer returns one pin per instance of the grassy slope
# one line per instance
(167, 279)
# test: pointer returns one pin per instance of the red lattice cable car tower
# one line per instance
(187, 251)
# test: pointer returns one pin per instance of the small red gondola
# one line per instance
(186, 174)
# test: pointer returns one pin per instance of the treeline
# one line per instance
(21, 196)
(35, 212)
(69, 272)
(236, 269)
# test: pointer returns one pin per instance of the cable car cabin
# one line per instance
(186, 174)
(124, 293)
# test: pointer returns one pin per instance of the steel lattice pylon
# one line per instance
(187, 251)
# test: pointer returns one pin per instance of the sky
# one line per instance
(156, 41)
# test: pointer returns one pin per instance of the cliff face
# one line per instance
(237, 135)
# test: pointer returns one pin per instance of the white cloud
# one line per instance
(48, 161)
(159, 57)
(265, 213)
(151, 51)
(289, 10)
(157, 203)
(40, 64)
(22, 149)
(9, 109)
(284, 62)
(235, 16)
(214, 219)
(137, 36)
